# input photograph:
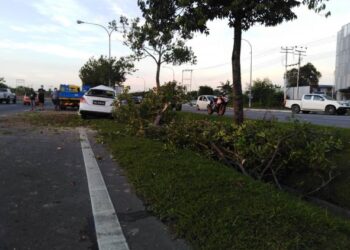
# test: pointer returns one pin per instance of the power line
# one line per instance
(268, 52)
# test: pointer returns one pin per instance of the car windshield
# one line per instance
(211, 97)
(101, 93)
(328, 97)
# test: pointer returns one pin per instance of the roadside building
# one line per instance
(298, 92)
(342, 65)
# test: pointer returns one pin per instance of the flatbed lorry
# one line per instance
(69, 95)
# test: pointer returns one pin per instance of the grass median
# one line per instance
(209, 204)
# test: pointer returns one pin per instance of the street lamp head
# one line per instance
(79, 22)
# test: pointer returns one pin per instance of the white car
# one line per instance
(317, 103)
(203, 101)
(7, 96)
(97, 101)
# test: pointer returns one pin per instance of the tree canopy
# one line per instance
(266, 94)
(157, 37)
(96, 71)
(241, 15)
(309, 76)
(2, 83)
(205, 90)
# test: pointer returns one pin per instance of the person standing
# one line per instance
(41, 97)
(32, 99)
(55, 100)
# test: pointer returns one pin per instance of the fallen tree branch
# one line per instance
(160, 114)
(324, 183)
(222, 155)
(269, 164)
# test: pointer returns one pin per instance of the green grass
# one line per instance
(210, 205)
(214, 207)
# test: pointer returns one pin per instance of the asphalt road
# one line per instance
(342, 121)
(47, 199)
(10, 109)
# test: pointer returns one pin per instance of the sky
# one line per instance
(42, 44)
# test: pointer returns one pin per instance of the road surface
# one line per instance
(342, 121)
(10, 109)
(60, 189)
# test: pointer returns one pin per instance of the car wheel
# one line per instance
(198, 108)
(330, 110)
(14, 101)
(8, 100)
(295, 109)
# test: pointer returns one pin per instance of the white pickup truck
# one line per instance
(7, 96)
(318, 103)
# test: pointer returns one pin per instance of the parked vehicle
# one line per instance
(217, 105)
(203, 101)
(317, 103)
(137, 99)
(7, 96)
(97, 101)
(69, 95)
(192, 103)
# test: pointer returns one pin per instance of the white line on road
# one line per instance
(108, 231)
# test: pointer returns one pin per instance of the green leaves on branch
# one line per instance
(158, 37)
(309, 76)
(96, 71)
(139, 117)
(2, 83)
(264, 150)
(261, 149)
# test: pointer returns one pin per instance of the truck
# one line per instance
(69, 95)
(318, 103)
(7, 96)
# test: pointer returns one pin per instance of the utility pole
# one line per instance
(300, 51)
(188, 79)
(286, 50)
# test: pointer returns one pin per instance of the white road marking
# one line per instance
(109, 233)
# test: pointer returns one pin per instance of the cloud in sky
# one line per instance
(51, 49)
(48, 29)
(45, 28)
(63, 12)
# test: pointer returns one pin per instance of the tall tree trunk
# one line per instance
(157, 76)
(236, 74)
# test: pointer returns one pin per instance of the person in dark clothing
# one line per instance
(32, 98)
(41, 97)
(55, 99)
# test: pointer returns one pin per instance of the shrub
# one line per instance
(263, 150)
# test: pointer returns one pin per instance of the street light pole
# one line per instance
(109, 33)
(251, 72)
